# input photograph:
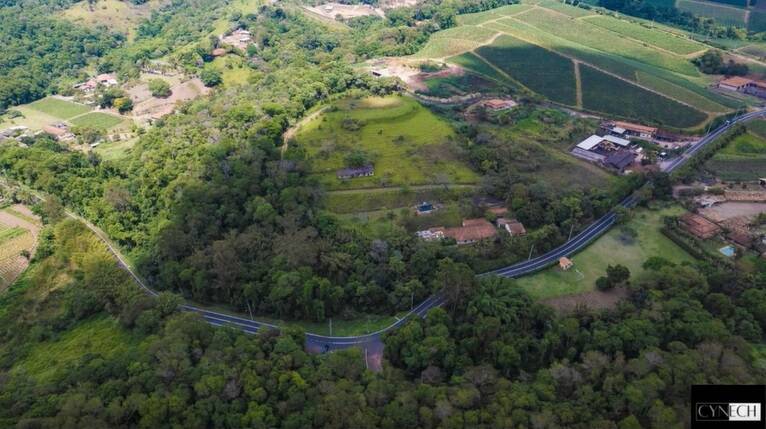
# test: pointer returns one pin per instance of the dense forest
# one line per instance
(39, 50)
(493, 358)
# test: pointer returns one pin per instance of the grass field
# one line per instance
(99, 120)
(406, 143)
(112, 151)
(119, 16)
(459, 85)
(604, 93)
(482, 17)
(651, 55)
(538, 69)
(233, 70)
(358, 201)
(723, 14)
(615, 247)
(101, 335)
(58, 108)
(652, 36)
(744, 158)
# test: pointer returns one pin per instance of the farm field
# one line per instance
(724, 14)
(18, 233)
(615, 247)
(744, 158)
(658, 38)
(363, 201)
(99, 120)
(466, 83)
(233, 70)
(538, 69)
(113, 151)
(649, 55)
(406, 143)
(58, 108)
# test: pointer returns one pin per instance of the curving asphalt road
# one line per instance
(372, 341)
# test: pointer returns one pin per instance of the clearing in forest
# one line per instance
(19, 229)
(405, 142)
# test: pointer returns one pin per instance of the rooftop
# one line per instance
(590, 142)
(629, 126)
(620, 159)
(735, 81)
(617, 140)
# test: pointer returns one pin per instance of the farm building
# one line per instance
(353, 172)
(756, 88)
(497, 104)
(734, 83)
(238, 38)
(596, 141)
(473, 230)
(90, 85)
(741, 238)
(512, 226)
(699, 226)
(620, 160)
(635, 130)
(60, 131)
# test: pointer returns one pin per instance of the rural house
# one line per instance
(59, 131)
(497, 104)
(699, 226)
(620, 160)
(353, 172)
(735, 83)
(473, 230)
(512, 226)
(635, 130)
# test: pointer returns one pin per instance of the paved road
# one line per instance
(372, 342)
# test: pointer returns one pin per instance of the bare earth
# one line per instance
(154, 108)
(729, 210)
(12, 263)
(346, 11)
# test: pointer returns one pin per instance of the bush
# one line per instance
(159, 88)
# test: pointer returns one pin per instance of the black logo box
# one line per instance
(726, 394)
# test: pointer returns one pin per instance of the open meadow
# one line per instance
(618, 246)
(406, 144)
(744, 159)
(120, 16)
(538, 45)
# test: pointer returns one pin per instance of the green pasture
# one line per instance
(406, 143)
(366, 200)
(616, 247)
(744, 158)
(58, 108)
(99, 120)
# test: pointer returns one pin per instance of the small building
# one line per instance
(106, 79)
(666, 136)
(620, 160)
(699, 226)
(59, 131)
(756, 88)
(617, 131)
(735, 83)
(512, 226)
(565, 263)
(424, 208)
(472, 231)
(741, 238)
(353, 172)
(635, 130)
(497, 104)
(590, 143)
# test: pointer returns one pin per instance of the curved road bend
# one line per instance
(372, 342)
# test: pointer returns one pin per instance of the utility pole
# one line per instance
(571, 229)
(331, 326)
(249, 309)
(530, 251)
(412, 301)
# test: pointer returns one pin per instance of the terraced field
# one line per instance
(18, 235)
(650, 61)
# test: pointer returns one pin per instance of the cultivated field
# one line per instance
(99, 120)
(19, 228)
(58, 108)
(616, 247)
(743, 159)
(648, 61)
(724, 14)
(407, 144)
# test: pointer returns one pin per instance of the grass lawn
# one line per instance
(99, 120)
(119, 16)
(363, 200)
(58, 108)
(33, 119)
(233, 70)
(611, 248)
(100, 335)
(406, 143)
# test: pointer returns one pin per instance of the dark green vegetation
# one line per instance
(605, 93)
(744, 158)
(467, 83)
(698, 17)
(38, 50)
(97, 353)
(540, 70)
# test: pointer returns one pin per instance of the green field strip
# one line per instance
(580, 32)
(61, 109)
(654, 37)
(572, 11)
(680, 93)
